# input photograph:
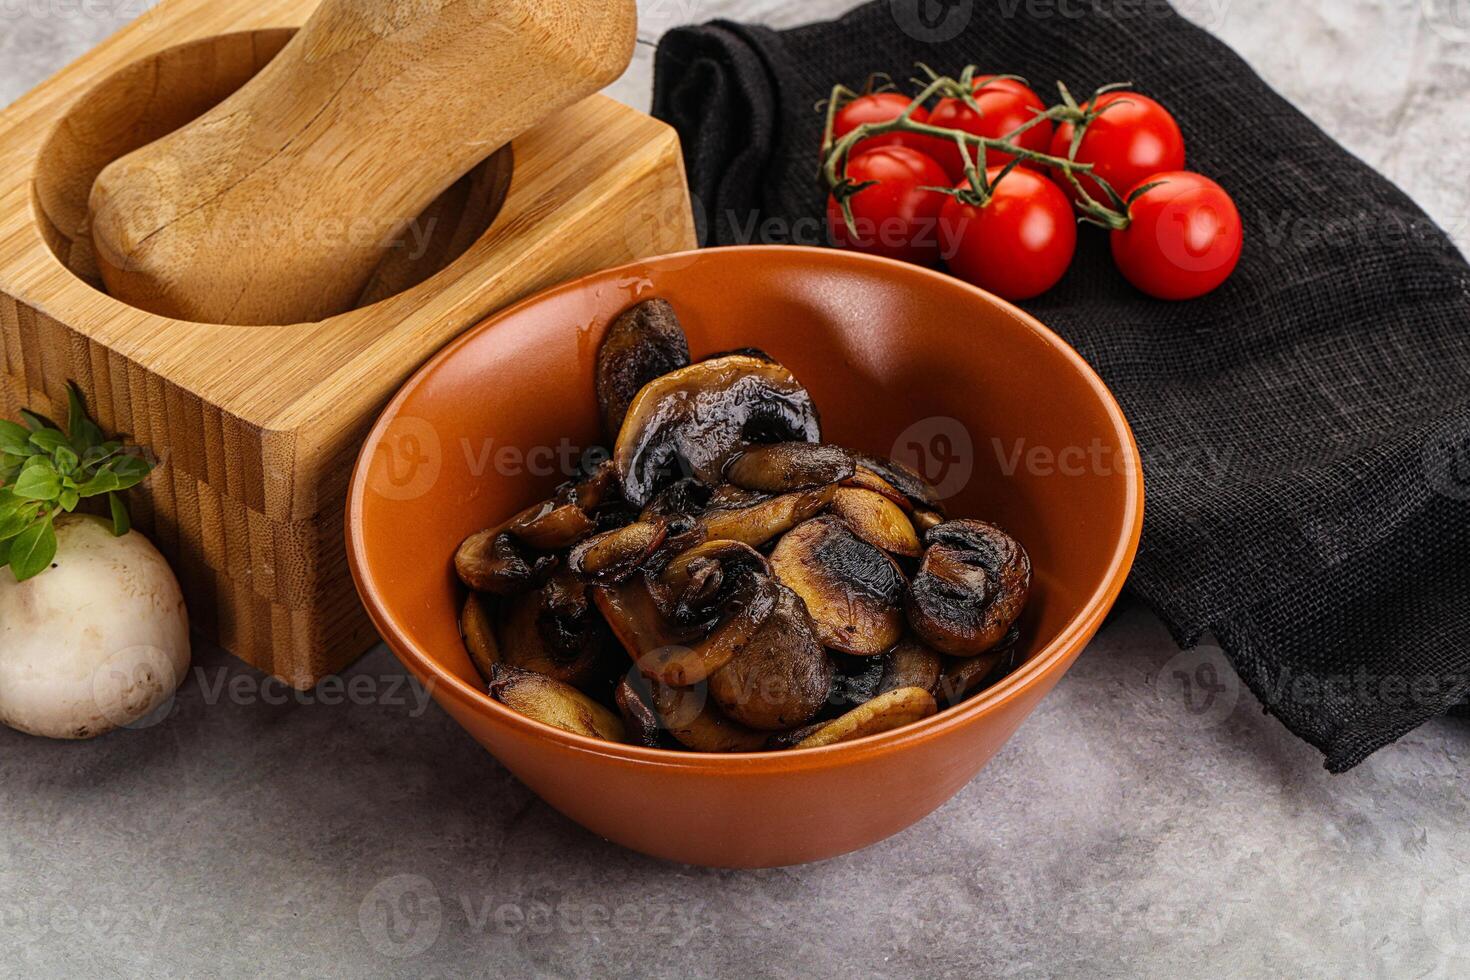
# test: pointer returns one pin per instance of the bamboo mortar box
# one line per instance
(257, 427)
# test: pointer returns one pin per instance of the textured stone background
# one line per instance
(1127, 830)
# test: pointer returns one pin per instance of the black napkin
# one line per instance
(1305, 429)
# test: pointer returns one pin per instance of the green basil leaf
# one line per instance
(32, 550)
(50, 440)
(121, 523)
(38, 481)
(84, 432)
(15, 439)
(130, 470)
(17, 520)
(104, 482)
(66, 460)
(4, 553)
(37, 422)
(69, 500)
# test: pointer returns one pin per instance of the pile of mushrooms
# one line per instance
(772, 591)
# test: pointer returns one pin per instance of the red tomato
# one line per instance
(881, 108)
(1005, 105)
(1018, 245)
(1135, 138)
(896, 217)
(1185, 239)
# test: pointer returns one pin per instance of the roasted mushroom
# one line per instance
(478, 631)
(877, 520)
(553, 703)
(782, 677)
(962, 677)
(920, 492)
(855, 681)
(970, 587)
(551, 526)
(911, 664)
(615, 555)
(545, 632)
(759, 521)
(692, 718)
(785, 467)
(641, 722)
(493, 561)
(644, 343)
(853, 591)
(692, 420)
(882, 714)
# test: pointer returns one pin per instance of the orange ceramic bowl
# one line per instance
(900, 360)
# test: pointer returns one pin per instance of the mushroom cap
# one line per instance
(782, 677)
(692, 420)
(97, 641)
(643, 343)
(853, 590)
(971, 586)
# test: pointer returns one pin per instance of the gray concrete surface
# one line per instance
(1133, 827)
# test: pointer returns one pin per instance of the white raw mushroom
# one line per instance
(98, 641)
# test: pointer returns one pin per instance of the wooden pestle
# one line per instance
(276, 206)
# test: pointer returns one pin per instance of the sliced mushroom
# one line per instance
(478, 631)
(882, 714)
(683, 654)
(789, 740)
(639, 719)
(551, 526)
(685, 498)
(962, 677)
(911, 664)
(782, 677)
(564, 645)
(493, 561)
(970, 587)
(921, 492)
(877, 520)
(696, 722)
(553, 703)
(615, 555)
(785, 467)
(853, 591)
(644, 343)
(865, 479)
(695, 418)
(767, 519)
(927, 520)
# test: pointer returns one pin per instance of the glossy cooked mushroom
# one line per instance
(553, 703)
(692, 420)
(493, 561)
(877, 520)
(645, 343)
(641, 722)
(759, 521)
(691, 716)
(970, 587)
(782, 677)
(882, 714)
(785, 467)
(853, 590)
(546, 632)
(920, 492)
(911, 664)
(613, 556)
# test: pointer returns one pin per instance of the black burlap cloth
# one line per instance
(1305, 429)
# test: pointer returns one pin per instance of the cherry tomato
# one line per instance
(880, 108)
(1185, 239)
(1133, 139)
(896, 217)
(1018, 245)
(1005, 106)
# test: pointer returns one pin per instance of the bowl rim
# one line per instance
(1031, 673)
